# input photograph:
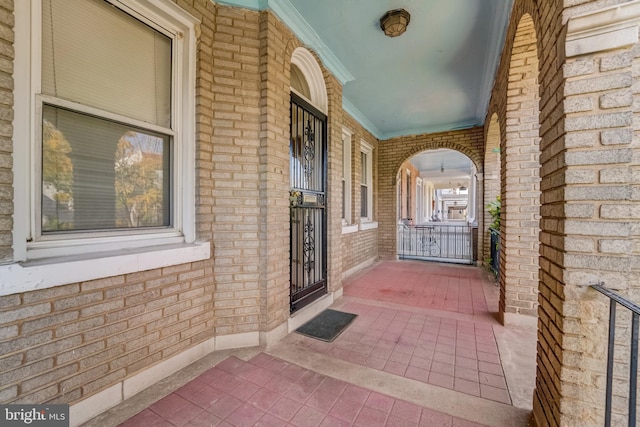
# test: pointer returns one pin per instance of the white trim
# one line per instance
(309, 67)
(367, 149)
(166, 17)
(346, 170)
(290, 16)
(43, 274)
(613, 27)
(93, 406)
(368, 225)
(359, 267)
(348, 229)
(21, 133)
(307, 313)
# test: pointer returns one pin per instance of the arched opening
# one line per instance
(307, 79)
(520, 183)
(436, 206)
(308, 181)
(491, 228)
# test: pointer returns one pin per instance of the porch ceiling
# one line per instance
(437, 76)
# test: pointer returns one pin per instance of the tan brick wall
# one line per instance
(336, 252)
(6, 129)
(362, 246)
(275, 57)
(69, 342)
(520, 177)
(584, 130)
(229, 203)
(491, 181)
(394, 152)
(66, 343)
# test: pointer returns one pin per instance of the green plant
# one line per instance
(494, 211)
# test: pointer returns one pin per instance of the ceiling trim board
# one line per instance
(246, 4)
(431, 129)
(290, 16)
(492, 59)
(351, 109)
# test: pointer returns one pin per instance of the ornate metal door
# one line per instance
(308, 163)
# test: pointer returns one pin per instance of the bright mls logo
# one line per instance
(34, 415)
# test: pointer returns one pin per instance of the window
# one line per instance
(110, 120)
(346, 177)
(366, 182)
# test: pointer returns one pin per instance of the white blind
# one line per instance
(96, 55)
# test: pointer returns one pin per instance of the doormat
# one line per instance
(327, 325)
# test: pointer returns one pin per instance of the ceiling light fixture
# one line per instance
(395, 22)
(442, 167)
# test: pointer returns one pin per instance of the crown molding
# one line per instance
(246, 4)
(492, 59)
(290, 16)
(351, 109)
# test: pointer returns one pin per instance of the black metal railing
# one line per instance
(616, 300)
(495, 252)
(446, 242)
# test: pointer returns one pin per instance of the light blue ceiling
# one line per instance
(436, 76)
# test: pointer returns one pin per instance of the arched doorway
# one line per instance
(308, 181)
(436, 193)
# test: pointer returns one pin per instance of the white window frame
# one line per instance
(346, 176)
(367, 149)
(169, 19)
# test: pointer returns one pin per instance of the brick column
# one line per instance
(520, 182)
(591, 212)
(274, 177)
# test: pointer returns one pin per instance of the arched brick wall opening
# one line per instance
(393, 153)
(491, 179)
(520, 181)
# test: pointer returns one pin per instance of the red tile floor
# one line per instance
(266, 391)
(428, 323)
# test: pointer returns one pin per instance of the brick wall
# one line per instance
(362, 246)
(66, 343)
(69, 342)
(491, 181)
(336, 252)
(275, 57)
(584, 117)
(520, 177)
(394, 152)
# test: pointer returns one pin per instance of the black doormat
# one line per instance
(327, 325)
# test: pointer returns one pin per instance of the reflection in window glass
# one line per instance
(98, 174)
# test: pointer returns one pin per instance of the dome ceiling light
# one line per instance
(395, 22)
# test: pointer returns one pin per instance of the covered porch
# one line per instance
(426, 349)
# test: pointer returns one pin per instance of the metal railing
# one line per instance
(616, 300)
(495, 253)
(444, 242)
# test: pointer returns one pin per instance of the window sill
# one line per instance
(369, 225)
(50, 272)
(348, 229)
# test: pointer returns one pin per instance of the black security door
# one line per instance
(308, 156)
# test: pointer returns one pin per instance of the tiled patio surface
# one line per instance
(266, 391)
(440, 287)
(420, 326)
(449, 353)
